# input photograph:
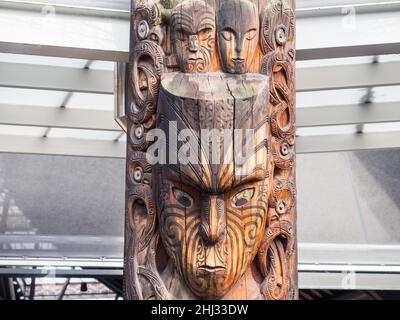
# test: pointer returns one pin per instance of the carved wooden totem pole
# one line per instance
(211, 196)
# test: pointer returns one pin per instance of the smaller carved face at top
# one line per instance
(193, 29)
(238, 25)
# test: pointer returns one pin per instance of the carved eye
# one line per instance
(251, 34)
(180, 34)
(184, 199)
(243, 197)
(227, 35)
(205, 34)
(154, 37)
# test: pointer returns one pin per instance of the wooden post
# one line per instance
(210, 171)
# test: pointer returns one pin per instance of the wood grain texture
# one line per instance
(216, 219)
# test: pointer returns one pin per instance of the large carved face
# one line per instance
(212, 214)
(212, 237)
(193, 27)
(237, 25)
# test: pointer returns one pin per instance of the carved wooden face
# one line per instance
(237, 25)
(212, 237)
(193, 26)
(212, 214)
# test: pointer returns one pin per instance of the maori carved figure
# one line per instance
(193, 32)
(238, 29)
(210, 175)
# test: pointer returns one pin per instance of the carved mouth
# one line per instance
(212, 269)
(238, 60)
(195, 59)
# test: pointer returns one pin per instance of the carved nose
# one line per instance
(238, 48)
(193, 43)
(213, 220)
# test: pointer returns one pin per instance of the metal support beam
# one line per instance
(348, 51)
(63, 289)
(349, 281)
(348, 76)
(28, 76)
(347, 114)
(32, 288)
(57, 117)
(122, 56)
(63, 51)
(50, 262)
(116, 149)
(347, 142)
(349, 257)
(101, 81)
(61, 273)
(62, 146)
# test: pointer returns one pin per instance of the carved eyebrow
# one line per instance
(257, 175)
(251, 29)
(174, 174)
(191, 29)
(228, 28)
(205, 25)
(180, 27)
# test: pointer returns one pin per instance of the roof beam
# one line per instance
(111, 149)
(62, 146)
(90, 262)
(348, 51)
(57, 117)
(29, 76)
(61, 273)
(350, 257)
(348, 76)
(65, 52)
(349, 281)
(19, 75)
(310, 8)
(348, 114)
(347, 142)
(373, 49)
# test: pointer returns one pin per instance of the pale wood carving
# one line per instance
(200, 226)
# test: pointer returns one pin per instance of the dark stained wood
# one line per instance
(238, 29)
(223, 225)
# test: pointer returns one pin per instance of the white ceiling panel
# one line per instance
(91, 101)
(329, 97)
(41, 98)
(381, 127)
(102, 65)
(329, 130)
(21, 130)
(386, 94)
(42, 60)
(333, 62)
(83, 134)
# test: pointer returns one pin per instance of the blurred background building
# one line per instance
(62, 174)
